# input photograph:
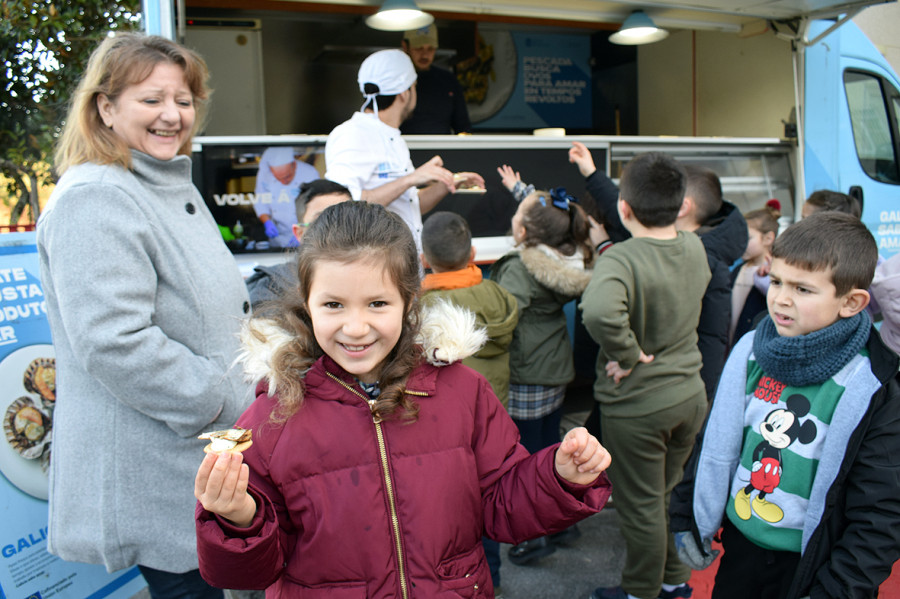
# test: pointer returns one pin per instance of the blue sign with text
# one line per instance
(552, 85)
(27, 400)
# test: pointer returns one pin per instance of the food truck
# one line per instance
(780, 99)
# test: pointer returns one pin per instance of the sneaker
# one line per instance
(683, 592)
(528, 551)
(498, 592)
(609, 593)
(567, 536)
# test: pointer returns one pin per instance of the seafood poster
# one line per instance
(27, 398)
(529, 81)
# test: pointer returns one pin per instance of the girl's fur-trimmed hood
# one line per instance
(447, 334)
(563, 274)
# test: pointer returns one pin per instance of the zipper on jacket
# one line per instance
(388, 483)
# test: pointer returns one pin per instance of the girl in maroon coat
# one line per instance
(373, 473)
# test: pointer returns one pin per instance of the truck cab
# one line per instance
(851, 141)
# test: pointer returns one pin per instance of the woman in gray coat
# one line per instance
(144, 302)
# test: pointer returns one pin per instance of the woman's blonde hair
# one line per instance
(119, 62)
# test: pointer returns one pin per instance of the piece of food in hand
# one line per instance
(232, 440)
(461, 183)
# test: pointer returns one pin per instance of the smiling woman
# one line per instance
(144, 301)
(154, 116)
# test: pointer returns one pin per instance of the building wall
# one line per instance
(744, 86)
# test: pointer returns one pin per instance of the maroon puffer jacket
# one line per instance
(354, 509)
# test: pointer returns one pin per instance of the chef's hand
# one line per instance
(271, 229)
(433, 171)
(580, 458)
(466, 179)
(221, 488)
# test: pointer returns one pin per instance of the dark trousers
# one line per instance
(492, 553)
(538, 434)
(747, 571)
(649, 453)
(187, 585)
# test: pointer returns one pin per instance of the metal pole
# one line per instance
(159, 18)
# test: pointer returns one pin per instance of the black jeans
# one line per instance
(749, 571)
(543, 432)
(492, 553)
(188, 585)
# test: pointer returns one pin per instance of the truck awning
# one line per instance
(718, 15)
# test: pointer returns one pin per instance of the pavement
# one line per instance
(594, 560)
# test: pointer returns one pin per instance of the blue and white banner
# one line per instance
(534, 81)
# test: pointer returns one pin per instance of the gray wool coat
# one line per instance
(145, 303)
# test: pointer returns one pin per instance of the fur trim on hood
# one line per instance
(260, 339)
(448, 334)
(563, 274)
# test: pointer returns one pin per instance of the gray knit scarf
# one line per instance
(810, 359)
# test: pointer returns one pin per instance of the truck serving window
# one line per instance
(873, 104)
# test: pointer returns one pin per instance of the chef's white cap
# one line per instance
(278, 155)
(391, 71)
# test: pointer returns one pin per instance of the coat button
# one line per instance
(246, 307)
(189, 207)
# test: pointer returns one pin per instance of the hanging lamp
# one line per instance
(399, 15)
(637, 29)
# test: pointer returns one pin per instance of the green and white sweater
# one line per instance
(785, 429)
(733, 435)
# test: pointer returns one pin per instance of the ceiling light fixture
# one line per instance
(637, 29)
(399, 15)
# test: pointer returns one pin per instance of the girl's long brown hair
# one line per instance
(566, 231)
(348, 232)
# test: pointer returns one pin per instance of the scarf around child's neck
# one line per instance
(813, 358)
(453, 279)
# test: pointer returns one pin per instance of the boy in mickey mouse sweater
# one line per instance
(799, 459)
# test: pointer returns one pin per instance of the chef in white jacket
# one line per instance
(367, 154)
(277, 186)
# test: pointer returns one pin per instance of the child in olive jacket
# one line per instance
(447, 250)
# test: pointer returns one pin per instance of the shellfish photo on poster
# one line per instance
(27, 400)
